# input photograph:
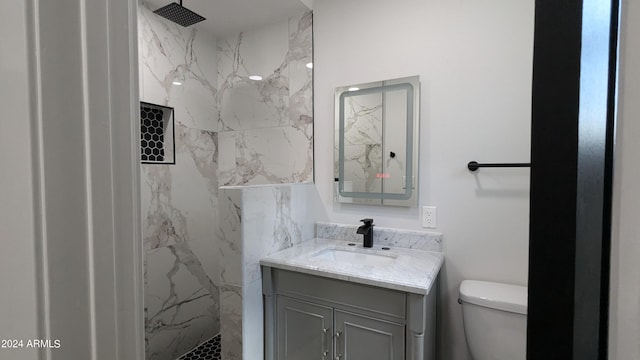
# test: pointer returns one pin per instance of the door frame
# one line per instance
(573, 122)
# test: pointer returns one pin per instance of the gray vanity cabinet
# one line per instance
(363, 337)
(310, 317)
(303, 330)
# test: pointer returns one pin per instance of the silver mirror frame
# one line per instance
(409, 197)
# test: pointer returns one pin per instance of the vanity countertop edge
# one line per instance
(413, 271)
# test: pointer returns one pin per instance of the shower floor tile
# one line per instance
(208, 350)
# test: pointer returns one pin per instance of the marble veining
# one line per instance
(231, 315)
(179, 306)
(255, 221)
(203, 245)
(260, 220)
(412, 270)
(363, 120)
(361, 164)
(266, 126)
(168, 53)
(182, 297)
(410, 239)
(363, 128)
(179, 202)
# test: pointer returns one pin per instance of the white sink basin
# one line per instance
(355, 257)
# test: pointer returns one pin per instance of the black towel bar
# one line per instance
(474, 165)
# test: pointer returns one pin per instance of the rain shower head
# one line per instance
(179, 14)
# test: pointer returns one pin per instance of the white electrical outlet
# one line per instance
(429, 217)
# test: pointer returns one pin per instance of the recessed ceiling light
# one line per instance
(176, 82)
(255, 77)
(354, 88)
(310, 65)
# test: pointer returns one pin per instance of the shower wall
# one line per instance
(256, 221)
(266, 126)
(179, 202)
(229, 131)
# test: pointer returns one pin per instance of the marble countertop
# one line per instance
(412, 270)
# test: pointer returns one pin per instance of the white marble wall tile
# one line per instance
(179, 200)
(262, 157)
(267, 125)
(227, 174)
(300, 75)
(252, 321)
(412, 239)
(231, 319)
(261, 220)
(259, 209)
(272, 223)
(305, 209)
(194, 185)
(285, 232)
(300, 151)
(179, 229)
(181, 302)
(230, 225)
(266, 156)
(245, 103)
(169, 52)
(242, 335)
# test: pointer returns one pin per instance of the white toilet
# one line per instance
(495, 319)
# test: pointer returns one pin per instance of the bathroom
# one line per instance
(475, 104)
(503, 73)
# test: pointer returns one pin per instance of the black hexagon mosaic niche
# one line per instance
(209, 350)
(157, 140)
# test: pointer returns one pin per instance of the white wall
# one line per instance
(474, 60)
(625, 250)
(17, 262)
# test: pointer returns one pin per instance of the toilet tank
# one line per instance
(495, 319)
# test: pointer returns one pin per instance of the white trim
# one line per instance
(93, 232)
(40, 224)
(88, 182)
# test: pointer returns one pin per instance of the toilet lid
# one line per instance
(506, 297)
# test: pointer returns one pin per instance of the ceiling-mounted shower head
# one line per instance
(179, 14)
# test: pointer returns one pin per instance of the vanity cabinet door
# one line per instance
(304, 330)
(363, 338)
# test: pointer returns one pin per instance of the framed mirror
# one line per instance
(376, 142)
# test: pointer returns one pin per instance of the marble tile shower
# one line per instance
(167, 53)
(256, 221)
(180, 201)
(228, 131)
(181, 282)
(266, 127)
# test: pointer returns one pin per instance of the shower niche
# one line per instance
(157, 135)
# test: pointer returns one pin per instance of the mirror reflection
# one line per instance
(376, 142)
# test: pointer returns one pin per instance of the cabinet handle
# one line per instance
(324, 342)
(339, 356)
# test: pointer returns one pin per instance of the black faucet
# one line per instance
(367, 231)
